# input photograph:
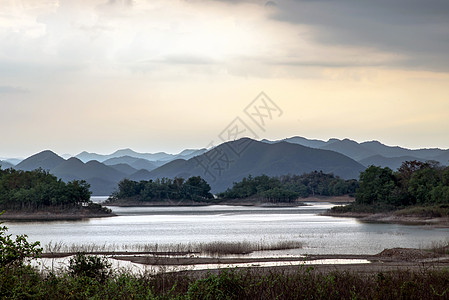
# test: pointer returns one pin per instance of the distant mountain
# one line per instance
(74, 168)
(300, 141)
(373, 152)
(99, 176)
(102, 178)
(46, 160)
(389, 151)
(258, 158)
(189, 153)
(158, 158)
(13, 161)
(349, 148)
(140, 175)
(443, 158)
(87, 156)
(147, 156)
(136, 163)
(124, 168)
(392, 162)
(5, 165)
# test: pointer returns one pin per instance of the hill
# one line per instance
(46, 160)
(372, 152)
(102, 178)
(392, 162)
(134, 162)
(5, 165)
(232, 161)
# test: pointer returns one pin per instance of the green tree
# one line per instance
(376, 186)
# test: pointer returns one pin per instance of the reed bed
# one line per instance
(209, 248)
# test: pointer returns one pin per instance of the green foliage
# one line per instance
(13, 253)
(376, 186)
(226, 285)
(415, 183)
(289, 187)
(34, 190)
(194, 188)
(302, 283)
(83, 265)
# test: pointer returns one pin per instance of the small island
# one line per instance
(417, 193)
(39, 195)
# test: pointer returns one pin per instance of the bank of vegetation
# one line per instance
(282, 189)
(416, 189)
(289, 188)
(29, 194)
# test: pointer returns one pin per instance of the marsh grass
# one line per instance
(223, 248)
(441, 247)
(210, 248)
(435, 211)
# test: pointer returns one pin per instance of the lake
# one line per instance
(174, 225)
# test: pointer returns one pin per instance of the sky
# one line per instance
(167, 75)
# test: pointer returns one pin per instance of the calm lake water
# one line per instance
(173, 225)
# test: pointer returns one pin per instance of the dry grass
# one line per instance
(441, 247)
(210, 248)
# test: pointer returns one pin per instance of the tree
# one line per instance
(376, 186)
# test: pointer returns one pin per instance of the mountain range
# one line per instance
(158, 158)
(228, 162)
(372, 152)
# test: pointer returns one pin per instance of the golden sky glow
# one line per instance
(169, 75)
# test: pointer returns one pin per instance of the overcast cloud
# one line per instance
(153, 64)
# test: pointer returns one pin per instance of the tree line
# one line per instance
(288, 188)
(194, 188)
(38, 189)
(414, 183)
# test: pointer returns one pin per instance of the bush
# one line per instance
(15, 252)
(83, 265)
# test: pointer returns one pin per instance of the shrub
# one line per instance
(15, 252)
(83, 265)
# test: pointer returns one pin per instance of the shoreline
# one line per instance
(232, 202)
(391, 218)
(51, 216)
(387, 260)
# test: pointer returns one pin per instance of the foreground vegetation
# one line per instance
(416, 188)
(38, 190)
(91, 278)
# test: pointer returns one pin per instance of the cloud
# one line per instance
(414, 29)
(5, 89)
